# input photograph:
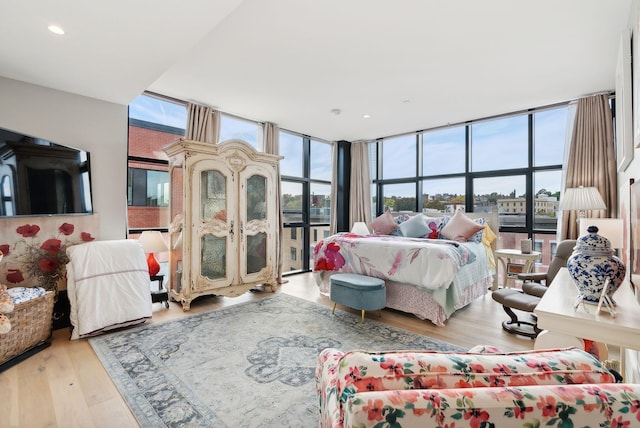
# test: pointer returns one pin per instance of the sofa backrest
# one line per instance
(401, 370)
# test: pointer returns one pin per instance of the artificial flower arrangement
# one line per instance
(44, 261)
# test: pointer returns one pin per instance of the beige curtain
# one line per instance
(333, 219)
(591, 159)
(271, 145)
(360, 189)
(203, 124)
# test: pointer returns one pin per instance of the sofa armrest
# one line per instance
(326, 387)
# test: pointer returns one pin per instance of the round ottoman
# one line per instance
(358, 292)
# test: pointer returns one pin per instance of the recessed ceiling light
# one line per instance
(366, 116)
(56, 30)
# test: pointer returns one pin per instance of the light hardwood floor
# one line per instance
(66, 386)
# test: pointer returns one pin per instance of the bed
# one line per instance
(429, 272)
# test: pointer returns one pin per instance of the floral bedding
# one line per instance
(428, 264)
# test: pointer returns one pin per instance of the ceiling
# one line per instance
(409, 64)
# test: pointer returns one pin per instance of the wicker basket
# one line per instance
(30, 326)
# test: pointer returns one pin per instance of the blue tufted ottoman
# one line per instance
(358, 292)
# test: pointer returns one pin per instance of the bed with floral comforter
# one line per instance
(431, 278)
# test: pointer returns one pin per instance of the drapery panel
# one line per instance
(360, 188)
(272, 146)
(203, 124)
(333, 219)
(591, 159)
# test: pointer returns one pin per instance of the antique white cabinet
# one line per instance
(224, 224)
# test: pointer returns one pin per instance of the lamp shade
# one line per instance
(582, 198)
(152, 242)
(360, 228)
(610, 228)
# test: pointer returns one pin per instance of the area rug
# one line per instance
(246, 365)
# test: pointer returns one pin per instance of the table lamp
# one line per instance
(360, 228)
(581, 199)
(152, 242)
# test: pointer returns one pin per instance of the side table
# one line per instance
(510, 253)
(161, 295)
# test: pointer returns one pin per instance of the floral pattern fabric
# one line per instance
(590, 405)
(429, 264)
(33, 259)
(402, 388)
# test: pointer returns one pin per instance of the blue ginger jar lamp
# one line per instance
(592, 263)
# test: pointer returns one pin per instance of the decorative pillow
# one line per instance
(434, 224)
(460, 228)
(401, 218)
(384, 224)
(415, 227)
(477, 237)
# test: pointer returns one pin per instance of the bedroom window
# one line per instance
(509, 134)
(512, 162)
(306, 172)
(153, 123)
(399, 155)
(235, 128)
(449, 144)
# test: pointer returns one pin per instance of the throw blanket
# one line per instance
(108, 286)
(429, 264)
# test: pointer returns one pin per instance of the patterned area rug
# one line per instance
(246, 365)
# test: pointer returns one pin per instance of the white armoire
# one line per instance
(224, 220)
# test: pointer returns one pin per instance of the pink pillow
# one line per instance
(384, 224)
(460, 228)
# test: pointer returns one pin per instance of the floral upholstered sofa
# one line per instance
(559, 387)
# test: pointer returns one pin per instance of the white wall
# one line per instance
(633, 170)
(97, 127)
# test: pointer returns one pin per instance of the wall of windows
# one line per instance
(155, 121)
(512, 163)
(305, 197)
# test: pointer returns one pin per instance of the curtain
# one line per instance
(360, 189)
(333, 219)
(203, 124)
(271, 145)
(591, 159)
(571, 117)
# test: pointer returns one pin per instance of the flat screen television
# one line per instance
(40, 177)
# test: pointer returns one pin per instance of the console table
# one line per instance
(565, 324)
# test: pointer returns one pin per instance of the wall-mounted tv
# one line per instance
(40, 177)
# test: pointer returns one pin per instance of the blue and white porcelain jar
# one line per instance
(592, 262)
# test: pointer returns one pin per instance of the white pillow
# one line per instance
(415, 227)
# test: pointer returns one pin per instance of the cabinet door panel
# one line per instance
(214, 229)
(257, 247)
